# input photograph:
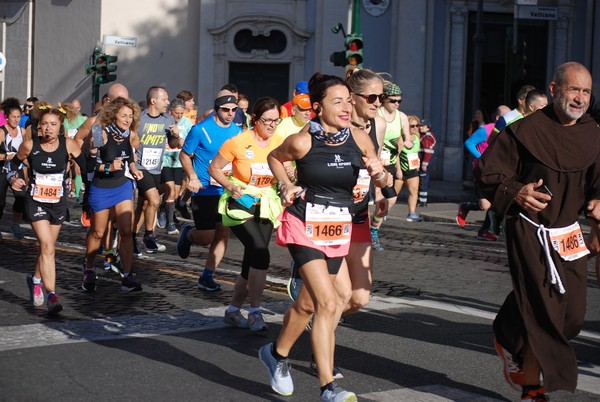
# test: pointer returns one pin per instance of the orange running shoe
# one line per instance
(85, 219)
(513, 372)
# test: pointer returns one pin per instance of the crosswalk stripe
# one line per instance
(428, 393)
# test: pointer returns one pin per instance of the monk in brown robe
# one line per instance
(540, 174)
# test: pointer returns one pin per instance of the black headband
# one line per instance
(222, 100)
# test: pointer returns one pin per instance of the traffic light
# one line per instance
(104, 68)
(354, 51)
(92, 67)
(338, 58)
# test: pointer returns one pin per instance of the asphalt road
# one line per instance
(425, 336)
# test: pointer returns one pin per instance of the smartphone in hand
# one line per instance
(545, 190)
(97, 137)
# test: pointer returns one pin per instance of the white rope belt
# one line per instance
(542, 235)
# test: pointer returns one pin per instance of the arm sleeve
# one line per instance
(496, 173)
(86, 164)
(479, 136)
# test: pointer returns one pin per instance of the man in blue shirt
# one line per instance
(200, 147)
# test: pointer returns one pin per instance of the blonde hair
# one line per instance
(358, 78)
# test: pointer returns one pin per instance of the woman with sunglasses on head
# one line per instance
(317, 226)
(250, 205)
(396, 129)
(47, 157)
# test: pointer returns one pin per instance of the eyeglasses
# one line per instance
(229, 109)
(269, 122)
(28, 106)
(398, 101)
(414, 125)
(371, 98)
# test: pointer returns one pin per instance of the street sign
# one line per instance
(537, 13)
(2, 61)
(129, 41)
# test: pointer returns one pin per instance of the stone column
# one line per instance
(453, 145)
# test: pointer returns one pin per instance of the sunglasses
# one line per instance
(398, 101)
(28, 106)
(414, 125)
(371, 98)
(269, 122)
(229, 109)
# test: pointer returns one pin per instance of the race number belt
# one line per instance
(261, 175)
(568, 243)
(361, 188)
(48, 188)
(413, 161)
(327, 225)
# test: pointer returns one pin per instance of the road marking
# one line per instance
(428, 393)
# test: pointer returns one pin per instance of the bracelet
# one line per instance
(106, 167)
(195, 179)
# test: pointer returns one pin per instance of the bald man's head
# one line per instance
(117, 90)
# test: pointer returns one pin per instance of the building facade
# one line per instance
(265, 46)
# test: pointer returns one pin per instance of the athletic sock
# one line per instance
(207, 273)
(276, 355)
(78, 184)
(376, 222)
(170, 208)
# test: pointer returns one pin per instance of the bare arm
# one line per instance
(194, 184)
(215, 169)
(370, 159)
(17, 183)
(294, 147)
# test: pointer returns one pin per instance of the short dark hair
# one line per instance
(533, 95)
(231, 88)
(261, 106)
(185, 95)
(524, 91)
(152, 92)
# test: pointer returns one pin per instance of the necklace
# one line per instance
(365, 127)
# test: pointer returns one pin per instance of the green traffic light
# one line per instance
(103, 68)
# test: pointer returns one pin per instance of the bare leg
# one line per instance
(45, 266)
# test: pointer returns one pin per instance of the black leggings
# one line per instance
(19, 204)
(255, 235)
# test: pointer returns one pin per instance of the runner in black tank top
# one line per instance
(47, 157)
(318, 253)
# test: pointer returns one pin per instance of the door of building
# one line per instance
(502, 73)
(261, 79)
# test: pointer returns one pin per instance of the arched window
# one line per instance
(245, 41)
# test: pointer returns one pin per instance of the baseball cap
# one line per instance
(302, 100)
(425, 122)
(302, 87)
